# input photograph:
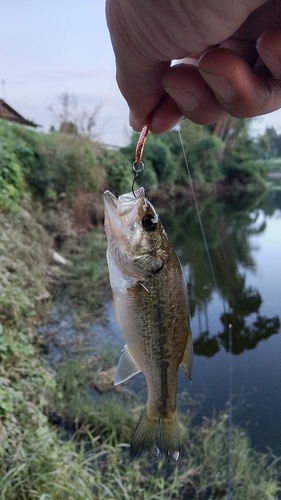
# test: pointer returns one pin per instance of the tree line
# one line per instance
(68, 160)
(224, 153)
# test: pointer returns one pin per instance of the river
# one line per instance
(244, 290)
(244, 240)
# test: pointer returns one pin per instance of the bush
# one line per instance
(49, 164)
(148, 178)
(119, 173)
(12, 184)
(70, 163)
(157, 155)
(22, 146)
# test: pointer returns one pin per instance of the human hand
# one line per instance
(231, 52)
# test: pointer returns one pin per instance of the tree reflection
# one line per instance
(246, 337)
(228, 227)
(205, 345)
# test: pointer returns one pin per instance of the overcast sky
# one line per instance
(53, 46)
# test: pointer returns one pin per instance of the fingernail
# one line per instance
(271, 60)
(221, 86)
(186, 100)
(189, 101)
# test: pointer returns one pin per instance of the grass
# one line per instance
(35, 461)
(85, 283)
(252, 475)
(100, 415)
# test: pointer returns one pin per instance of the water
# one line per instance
(244, 238)
(245, 247)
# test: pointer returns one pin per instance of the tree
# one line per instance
(206, 158)
(274, 140)
(74, 121)
(225, 152)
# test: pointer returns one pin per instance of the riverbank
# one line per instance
(35, 461)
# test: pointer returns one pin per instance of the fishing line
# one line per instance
(230, 409)
(230, 390)
(197, 210)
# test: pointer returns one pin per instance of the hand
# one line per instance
(231, 55)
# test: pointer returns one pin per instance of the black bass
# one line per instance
(151, 303)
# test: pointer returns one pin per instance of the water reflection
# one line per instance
(244, 238)
(229, 229)
(247, 337)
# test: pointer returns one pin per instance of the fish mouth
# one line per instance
(132, 196)
(123, 198)
(110, 199)
(126, 204)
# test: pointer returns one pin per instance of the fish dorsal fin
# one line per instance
(126, 368)
(187, 359)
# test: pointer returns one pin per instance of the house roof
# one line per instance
(9, 113)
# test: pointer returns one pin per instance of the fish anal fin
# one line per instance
(187, 359)
(126, 367)
(159, 433)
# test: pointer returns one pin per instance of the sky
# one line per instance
(51, 47)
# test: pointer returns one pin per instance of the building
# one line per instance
(9, 113)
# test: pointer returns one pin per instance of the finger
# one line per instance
(143, 91)
(269, 49)
(165, 116)
(192, 97)
(239, 90)
(138, 71)
(244, 48)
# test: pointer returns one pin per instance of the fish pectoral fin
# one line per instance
(144, 287)
(126, 367)
(137, 287)
(187, 359)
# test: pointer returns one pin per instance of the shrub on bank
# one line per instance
(12, 182)
(49, 165)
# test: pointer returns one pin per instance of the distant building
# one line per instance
(9, 113)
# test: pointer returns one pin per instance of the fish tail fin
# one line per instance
(163, 433)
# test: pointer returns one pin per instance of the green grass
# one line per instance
(253, 477)
(35, 462)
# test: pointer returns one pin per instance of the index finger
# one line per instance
(142, 89)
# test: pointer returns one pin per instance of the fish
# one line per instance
(151, 303)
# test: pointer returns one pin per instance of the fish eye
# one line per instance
(148, 222)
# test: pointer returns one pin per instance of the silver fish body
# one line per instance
(151, 303)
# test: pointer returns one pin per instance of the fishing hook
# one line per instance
(138, 165)
(136, 171)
